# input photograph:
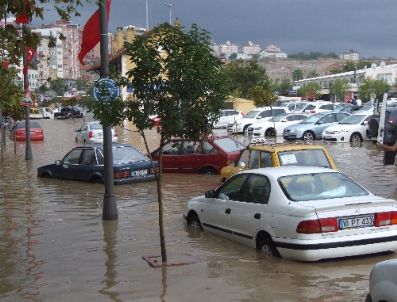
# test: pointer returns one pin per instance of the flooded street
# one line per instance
(54, 245)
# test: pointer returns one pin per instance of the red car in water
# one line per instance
(207, 157)
(36, 132)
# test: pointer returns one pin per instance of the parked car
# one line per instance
(35, 114)
(86, 163)
(300, 107)
(319, 106)
(68, 112)
(383, 282)
(19, 131)
(351, 129)
(390, 133)
(47, 113)
(275, 125)
(264, 113)
(228, 116)
(199, 157)
(312, 127)
(92, 132)
(300, 213)
(258, 155)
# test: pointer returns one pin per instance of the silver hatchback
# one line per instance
(92, 132)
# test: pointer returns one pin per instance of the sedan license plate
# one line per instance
(356, 222)
(139, 173)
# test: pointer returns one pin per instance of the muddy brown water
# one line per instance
(54, 245)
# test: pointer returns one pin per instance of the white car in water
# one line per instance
(276, 124)
(351, 129)
(300, 213)
(228, 116)
(92, 132)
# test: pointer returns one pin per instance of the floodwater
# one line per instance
(54, 246)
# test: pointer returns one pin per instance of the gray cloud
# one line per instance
(367, 26)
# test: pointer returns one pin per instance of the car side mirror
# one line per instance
(58, 162)
(241, 165)
(258, 117)
(364, 123)
(283, 120)
(319, 122)
(77, 130)
(210, 194)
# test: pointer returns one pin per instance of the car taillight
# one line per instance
(90, 134)
(121, 174)
(385, 218)
(322, 225)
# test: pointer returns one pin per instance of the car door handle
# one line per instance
(257, 216)
(228, 211)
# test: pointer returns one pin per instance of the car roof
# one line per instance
(277, 172)
(98, 145)
(283, 147)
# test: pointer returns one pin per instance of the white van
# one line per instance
(47, 113)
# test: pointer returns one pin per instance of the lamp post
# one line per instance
(109, 211)
(147, 15)
(170, 5)
(28, 149)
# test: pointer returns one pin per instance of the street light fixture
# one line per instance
(170, 5)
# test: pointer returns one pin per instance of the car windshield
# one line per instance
(127, 155)
(96, 126)
(32, 124)
(228, 145)
(352, 119)
(312, 119)
(319, 186)
(251, 114)
(300, 106)
(309, 157)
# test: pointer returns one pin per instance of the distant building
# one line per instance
(273, 51)
(251, 49)
(355, 78)
(228, 48)
(350, 55)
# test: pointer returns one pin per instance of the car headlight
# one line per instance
(343, 131)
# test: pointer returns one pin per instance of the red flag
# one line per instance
(30, 53)
(91, 33)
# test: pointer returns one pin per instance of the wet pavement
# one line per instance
(54, 245)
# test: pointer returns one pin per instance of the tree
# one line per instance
(283, 87)
(339, 88)
(312, 74)
(310, 90)
(10, 94)
(241, 76)
(233, 56)
(297, 74)
(372, 88)
(177, 77)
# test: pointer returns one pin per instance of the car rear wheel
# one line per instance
(46, 175)
(308, 136)
(355, 138)
(96, 179)
(265, 244)
(208, 171)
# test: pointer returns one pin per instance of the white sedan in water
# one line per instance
(276, 124)
(351, 129)
(300, 213)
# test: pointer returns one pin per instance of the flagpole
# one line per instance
(109, 211)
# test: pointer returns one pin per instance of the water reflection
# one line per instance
(54, 245)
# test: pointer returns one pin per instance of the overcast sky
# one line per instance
(368, 26)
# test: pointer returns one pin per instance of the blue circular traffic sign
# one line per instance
(105, 90)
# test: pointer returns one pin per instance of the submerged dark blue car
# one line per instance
(86, 163)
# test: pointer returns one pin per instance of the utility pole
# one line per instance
(147, 16)
(28, 149)
(109, 200)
